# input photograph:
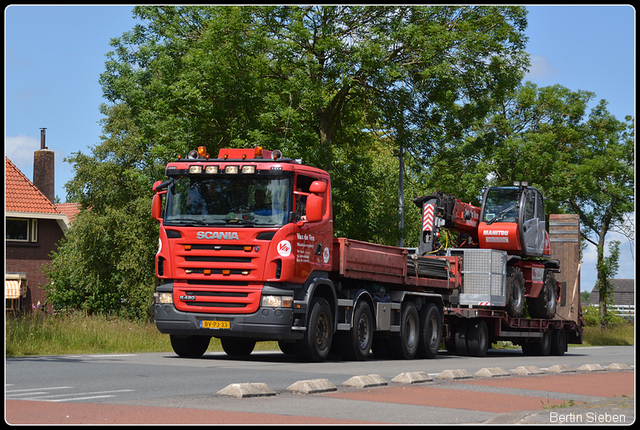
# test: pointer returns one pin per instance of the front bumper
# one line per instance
(266, 324)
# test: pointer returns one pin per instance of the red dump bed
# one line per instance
(393, 267)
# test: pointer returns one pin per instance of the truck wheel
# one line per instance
(316, 343)
(237, 347)
(558, 342)
(380, 347)
(542, 347)
(189, 346)
(478, 339)
(286, 347)
(405, 346)
(461, 337)
(544, 306)
(430, 331)
(356, 343)
(515, 292)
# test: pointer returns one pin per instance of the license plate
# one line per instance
(215, 324)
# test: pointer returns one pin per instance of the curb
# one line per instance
(317, 386)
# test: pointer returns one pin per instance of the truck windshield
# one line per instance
(238, 200)
(502, 205)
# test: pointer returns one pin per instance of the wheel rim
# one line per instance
(550, 297)
(363, 331)
(433, 336)
(322, 331)
(410, 332)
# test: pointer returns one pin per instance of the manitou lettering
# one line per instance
(220, 235)
(496, 233)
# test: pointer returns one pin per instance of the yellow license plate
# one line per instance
(215, 324)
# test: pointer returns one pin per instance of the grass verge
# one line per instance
(40, 334)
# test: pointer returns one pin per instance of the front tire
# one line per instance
(237, 347)
(316, 343)
(189, 346)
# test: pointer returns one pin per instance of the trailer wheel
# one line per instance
(450, 339)
(430, 331)
(515, 292)
(237, 347)
(356, 343)
(478, 339)
(542, 347)
(461, 337)
(558, 342)
(189, 346)
(544, 306)
(316, 343)
(405, 346)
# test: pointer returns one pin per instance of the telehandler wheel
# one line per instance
(316, 343)
(478, 338)
(430, 331)
(405, 346)
(545, 305)
(189, 346)
(515, 292)
(237, 347)
(355, 344)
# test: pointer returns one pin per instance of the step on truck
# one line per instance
(246, 254)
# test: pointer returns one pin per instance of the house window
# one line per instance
(22, 230)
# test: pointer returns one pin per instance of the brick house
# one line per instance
(33, 227)
(624, 293)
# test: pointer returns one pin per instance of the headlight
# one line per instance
(163, 298)
(277, 301)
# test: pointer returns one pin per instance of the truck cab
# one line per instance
(241, 237)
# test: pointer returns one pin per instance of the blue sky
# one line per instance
(54, 56)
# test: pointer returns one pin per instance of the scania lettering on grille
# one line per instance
(220, 235)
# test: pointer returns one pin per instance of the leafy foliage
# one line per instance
(345, 88)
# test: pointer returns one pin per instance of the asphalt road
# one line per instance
(141, 388)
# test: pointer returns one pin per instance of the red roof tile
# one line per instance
(71, 210)
(21, 195)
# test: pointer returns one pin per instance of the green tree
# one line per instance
(341, 87)
(313, 81)
(600, 188)
(584, 163)
(104, 264)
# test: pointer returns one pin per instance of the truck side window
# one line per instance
(302, 185)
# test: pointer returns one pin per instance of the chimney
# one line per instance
(43, 169)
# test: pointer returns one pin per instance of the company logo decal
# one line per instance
(220, 235)
(284, 248)
(325, 255)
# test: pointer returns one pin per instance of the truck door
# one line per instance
(313, 242)
(532, 223)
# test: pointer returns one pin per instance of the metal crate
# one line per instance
(483, 276)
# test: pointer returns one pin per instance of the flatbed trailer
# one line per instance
(438, 280)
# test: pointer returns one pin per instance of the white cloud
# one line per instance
(540, 68)
(19, 149)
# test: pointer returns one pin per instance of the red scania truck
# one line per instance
(246, 253)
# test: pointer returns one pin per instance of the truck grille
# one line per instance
(216, 298)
